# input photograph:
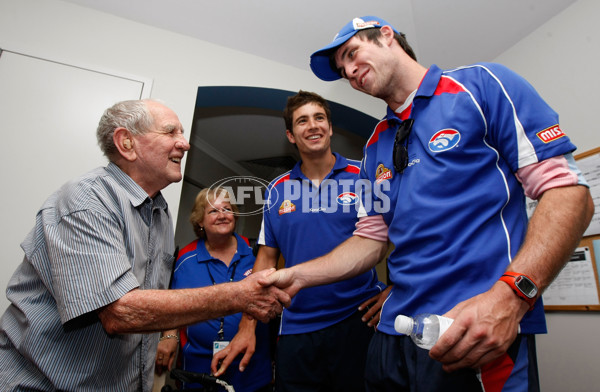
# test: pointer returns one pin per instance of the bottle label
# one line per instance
(445, 323)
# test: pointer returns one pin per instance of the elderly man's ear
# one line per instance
(124, 143)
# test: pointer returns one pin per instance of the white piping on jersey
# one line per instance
(183, 261)
(502, 175)
(525, 150)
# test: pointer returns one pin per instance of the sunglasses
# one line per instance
(401, 145)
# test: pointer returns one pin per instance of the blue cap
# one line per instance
(319, 61)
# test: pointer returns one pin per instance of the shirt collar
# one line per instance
(340, 164)
(137, 196)
(426, 89)
(430, 82)
(242, 250)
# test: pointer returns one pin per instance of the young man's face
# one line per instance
(366, 65)
(311, 129)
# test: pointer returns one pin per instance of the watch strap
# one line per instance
(509, 278)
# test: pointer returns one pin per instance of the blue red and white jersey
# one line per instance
(304, 222)
(457, 213)
(195, 267)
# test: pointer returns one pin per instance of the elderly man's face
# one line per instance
(160, 151)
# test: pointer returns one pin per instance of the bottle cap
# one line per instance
(403, 324)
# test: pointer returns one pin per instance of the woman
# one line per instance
(218, 255)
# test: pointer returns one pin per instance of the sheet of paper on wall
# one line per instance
(590, 168)
(576, 283)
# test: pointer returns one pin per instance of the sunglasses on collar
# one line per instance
(401, 145)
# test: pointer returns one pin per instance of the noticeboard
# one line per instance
(576, 286)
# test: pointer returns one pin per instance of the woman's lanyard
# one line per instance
(221, 333)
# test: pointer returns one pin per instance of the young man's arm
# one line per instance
(485, 325)
(351, 258)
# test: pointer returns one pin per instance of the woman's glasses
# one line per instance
(401, 145)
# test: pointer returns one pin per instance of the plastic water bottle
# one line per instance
(424, 329)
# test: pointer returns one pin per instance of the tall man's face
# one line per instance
(368, 65)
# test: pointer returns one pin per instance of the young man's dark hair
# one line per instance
(301, 99)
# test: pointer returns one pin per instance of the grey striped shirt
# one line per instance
(94, 240)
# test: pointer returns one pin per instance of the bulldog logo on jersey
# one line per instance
(347, 198)
(382, 173)
(286, 207)
(444, 140)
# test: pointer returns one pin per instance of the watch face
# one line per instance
(526, 286)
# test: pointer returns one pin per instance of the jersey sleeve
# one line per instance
(521, 125)
(266, 235)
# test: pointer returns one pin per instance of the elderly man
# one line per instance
(86, 302)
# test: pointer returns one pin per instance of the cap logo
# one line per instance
(360, 24)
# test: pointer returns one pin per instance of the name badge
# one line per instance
(219, 345)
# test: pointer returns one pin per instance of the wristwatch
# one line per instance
(522, 285)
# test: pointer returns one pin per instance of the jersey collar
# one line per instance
(340, 164)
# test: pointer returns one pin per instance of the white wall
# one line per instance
(48, 136)
(561, 60)
(177, 64)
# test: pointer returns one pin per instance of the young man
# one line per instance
(459, 150)
(323, 337)
(88, 293)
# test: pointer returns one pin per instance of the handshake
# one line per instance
(264, 294)
(269, 291)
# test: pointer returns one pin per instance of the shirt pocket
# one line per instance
(166, 270)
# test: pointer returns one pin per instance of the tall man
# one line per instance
(323, 339)
(86, 302)
(459, 150)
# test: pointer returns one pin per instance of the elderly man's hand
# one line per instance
(262, 300)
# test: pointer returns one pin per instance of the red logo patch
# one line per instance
(550, 134)
(286, 207)
(382, 173)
